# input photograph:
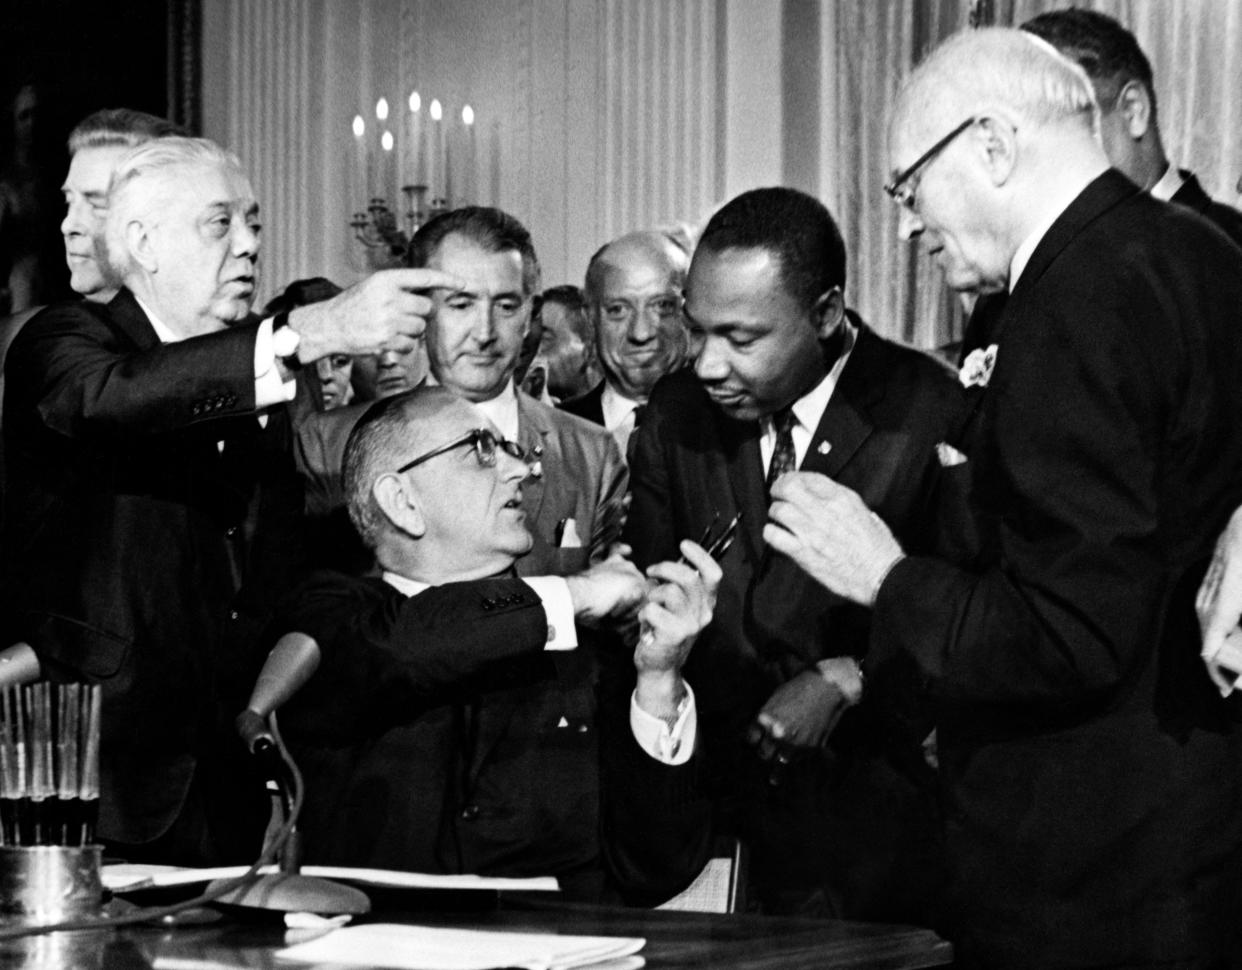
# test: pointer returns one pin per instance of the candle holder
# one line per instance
(377, 230)
(415, 214)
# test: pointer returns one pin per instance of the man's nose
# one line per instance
(245, 241)
(513, 469)
(643, 326)
(709, 364)
(483, 327)
(909, 225)
(73, 224)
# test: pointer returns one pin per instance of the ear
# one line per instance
(1134, 107)
(997, 141)
(141, 246)
(829, 312)
(396, 499)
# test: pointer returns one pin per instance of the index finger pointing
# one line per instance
(427, 279)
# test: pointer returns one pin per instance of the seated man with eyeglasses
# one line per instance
(456, 722)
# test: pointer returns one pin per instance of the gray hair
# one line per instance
(386, 435)
(997, 66)
(143, 183)
(119, 128)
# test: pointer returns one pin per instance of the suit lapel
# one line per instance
(746, 485)
(1107, 191)
(535, 435)
(130, 319)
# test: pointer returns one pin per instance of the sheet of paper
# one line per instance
(125, 877)
(405, 947)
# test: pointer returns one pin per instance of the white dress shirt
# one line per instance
(808, 409)
(618, 415)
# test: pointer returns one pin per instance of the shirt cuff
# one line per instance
(672, 746)
(553, 592)
(269, 387)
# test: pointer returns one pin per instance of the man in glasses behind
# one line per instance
(456, 721)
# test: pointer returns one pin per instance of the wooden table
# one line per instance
(673, 940)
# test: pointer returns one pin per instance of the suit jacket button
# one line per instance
(233, 614)
(196, 410)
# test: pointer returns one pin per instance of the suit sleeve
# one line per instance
(71, 366)
(656, 818)
(386, 658)
(1069, 603)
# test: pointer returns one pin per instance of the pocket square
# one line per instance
(948, 455)
(567, 535)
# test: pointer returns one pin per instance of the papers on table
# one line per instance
(126, 877)
(435, 948)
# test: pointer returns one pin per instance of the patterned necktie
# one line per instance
(784, 458)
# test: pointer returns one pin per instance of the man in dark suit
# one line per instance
(567, 347)
(783, 377)
(633, 292)
(151, 505)
(1091, 770)
(457, 722)
(474, 335)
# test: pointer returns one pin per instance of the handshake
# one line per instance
(672, 603)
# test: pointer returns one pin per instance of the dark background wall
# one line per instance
(74, 57)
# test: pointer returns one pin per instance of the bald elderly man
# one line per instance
(633, 293)
(1090, 768)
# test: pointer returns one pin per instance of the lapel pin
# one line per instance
(824, 447)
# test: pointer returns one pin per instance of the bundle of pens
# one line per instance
(49, 764)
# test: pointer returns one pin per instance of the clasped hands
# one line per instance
(672, 603)
(826, 529)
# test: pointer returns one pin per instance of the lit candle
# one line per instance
(414, 160)
(435, 151)
(361, 191)
(387, 142)
(470, 161)
(379, 185)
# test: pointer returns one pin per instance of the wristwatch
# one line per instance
(285, 341)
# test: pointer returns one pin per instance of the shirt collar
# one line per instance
(502, 411)
(616, 407)
(161, 329)
(809, 408)
(1168, 184)
(403, 584)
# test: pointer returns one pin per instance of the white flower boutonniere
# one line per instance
(977, 370)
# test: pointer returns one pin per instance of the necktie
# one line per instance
(632, 442)
(784, 458)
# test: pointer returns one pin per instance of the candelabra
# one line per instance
(377, 229)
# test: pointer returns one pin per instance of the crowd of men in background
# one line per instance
(601, 579)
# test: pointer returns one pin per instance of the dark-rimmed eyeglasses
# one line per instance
(899, 189)
(484, 441)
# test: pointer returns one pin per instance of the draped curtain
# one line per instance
(602, 116)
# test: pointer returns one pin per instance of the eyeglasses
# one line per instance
(903, 194)
(484, 442)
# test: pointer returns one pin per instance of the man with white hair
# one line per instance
(1091, 770)
(152, 508)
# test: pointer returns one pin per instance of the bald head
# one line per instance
(633, 292)
(993, 135)
(1000, 70)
